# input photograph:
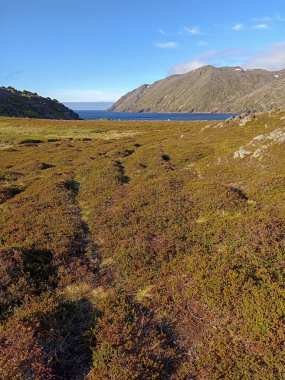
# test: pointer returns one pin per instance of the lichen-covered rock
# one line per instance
(275, 135)
(259, 152)
(257, 139)
(241, 153)
(245, 120)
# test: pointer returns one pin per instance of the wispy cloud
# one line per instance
(267, 18)
(214, 54)
(276, 17)
(210, 57)
(161, 31)
(260, 26)
(194, 30)
(183, 68)
(237, 26)
(166, 45)
(270, 58)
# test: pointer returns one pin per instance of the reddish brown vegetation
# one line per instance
(148, 257)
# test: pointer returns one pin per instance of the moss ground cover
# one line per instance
(141, 250)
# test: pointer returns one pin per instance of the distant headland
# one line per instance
(28, 104)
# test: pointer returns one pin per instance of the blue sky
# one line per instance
(93, 50)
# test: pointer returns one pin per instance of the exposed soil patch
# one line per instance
(44, 165)
(166, 157)
(9, 192)
(121, 172)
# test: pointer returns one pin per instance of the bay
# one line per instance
(96, 115)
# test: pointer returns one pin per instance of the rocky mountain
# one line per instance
(27, 104)
(209, 89)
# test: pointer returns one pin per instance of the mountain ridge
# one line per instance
(208, 89)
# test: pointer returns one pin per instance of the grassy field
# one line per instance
(142, 250)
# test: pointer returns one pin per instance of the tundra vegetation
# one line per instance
(142, 250)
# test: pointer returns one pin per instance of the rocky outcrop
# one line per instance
(258, 146)
(27, 104)
(209, 89)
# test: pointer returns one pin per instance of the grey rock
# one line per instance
(245, 120)
(259, 138)
(241, 153)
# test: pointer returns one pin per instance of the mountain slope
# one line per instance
(28, 104)
(267, 98)
(208, 89)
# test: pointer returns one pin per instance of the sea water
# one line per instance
(95, 115)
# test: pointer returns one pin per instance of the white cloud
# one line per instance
(87, 95)
(191, 30)
(237, 26)
(217, 54)
(271, 58)
(210, 57)
(260, 26)
(161, 31)
(166, 45)
(186, 67)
